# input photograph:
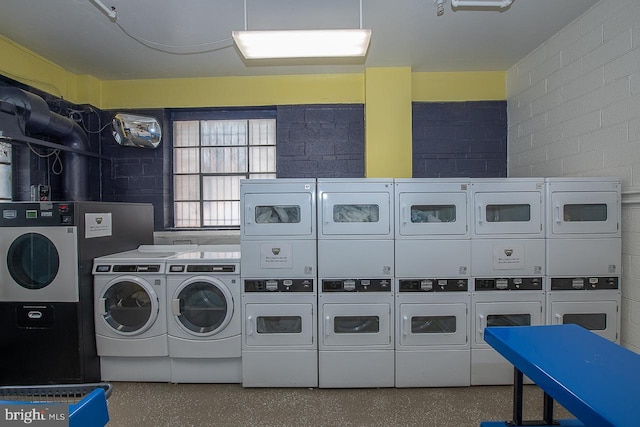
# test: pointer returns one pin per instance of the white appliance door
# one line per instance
(356, 324)
(508, 313)
(437, 214)
(600, 317)
(433, 324)
(278, 214)
(278, 324)
(518, 212)
(361, 214)
(128, 305)
(588, 212)
(202, 306)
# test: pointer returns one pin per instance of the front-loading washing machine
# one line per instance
(46, 292)
(130, 313)
(203, 320)
(356, 274)
(279, 280)
(432, 267)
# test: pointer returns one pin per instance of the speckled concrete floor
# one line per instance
(183, 405)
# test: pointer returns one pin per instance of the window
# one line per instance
(209, 159)
(5, 171)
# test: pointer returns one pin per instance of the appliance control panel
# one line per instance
(509, 284)
(36, 214)
(583, 283)
(434, 285)
(132, 268)
(356, 285)
(278, 285)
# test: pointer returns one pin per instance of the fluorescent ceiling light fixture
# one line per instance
(302, 43)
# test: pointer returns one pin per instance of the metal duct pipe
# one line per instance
(36, 118)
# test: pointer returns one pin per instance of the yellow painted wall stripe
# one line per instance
(459, 86)
(388, 146)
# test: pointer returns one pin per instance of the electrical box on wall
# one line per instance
(40, 193)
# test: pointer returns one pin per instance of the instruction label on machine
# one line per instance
(508, 257)
(276, 255)
(97, 225)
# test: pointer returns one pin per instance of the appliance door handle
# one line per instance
(248, 212)
(250, 325)
(480, 209)
(556, 214)
(102, 306)
(403, 215)
(326, 209)
(175, 307)
(483, 325)
(557, 319)
(327, 326)
(405, 325)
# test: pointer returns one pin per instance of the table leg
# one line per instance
(517, 396)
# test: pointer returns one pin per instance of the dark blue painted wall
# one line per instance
(320, 141)
(459, 139)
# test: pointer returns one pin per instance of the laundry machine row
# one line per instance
(169, 313)
(381, 283)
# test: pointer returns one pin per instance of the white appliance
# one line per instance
(507, 266)
(204, 316)
(432, 267)
(584, 253)
(279, 280)
(356, 347)
(356, 272)
(279, 333)
(591, 302)
(433, 347)
(130, 313)
(501, 302)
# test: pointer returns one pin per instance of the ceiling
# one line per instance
(191, 38)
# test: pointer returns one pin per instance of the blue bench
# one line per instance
(595, 379)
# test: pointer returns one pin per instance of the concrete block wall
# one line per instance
(320, 141)
(574, 110)
(459, 139)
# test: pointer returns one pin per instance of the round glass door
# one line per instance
(33, 261)
(204, 307)
(130, 307)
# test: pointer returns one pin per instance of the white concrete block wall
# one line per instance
(574, 110)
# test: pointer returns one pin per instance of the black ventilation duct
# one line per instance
(34, 117)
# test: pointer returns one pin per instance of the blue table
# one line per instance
(595, 379)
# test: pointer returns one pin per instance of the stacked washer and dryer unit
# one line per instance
(279, 283)
(432, 264)
(584, 253)
(356, 273)
(507, 266)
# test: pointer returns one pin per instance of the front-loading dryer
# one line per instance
(501, 302)
(203, 320)
(433, 346)
(130, 313)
